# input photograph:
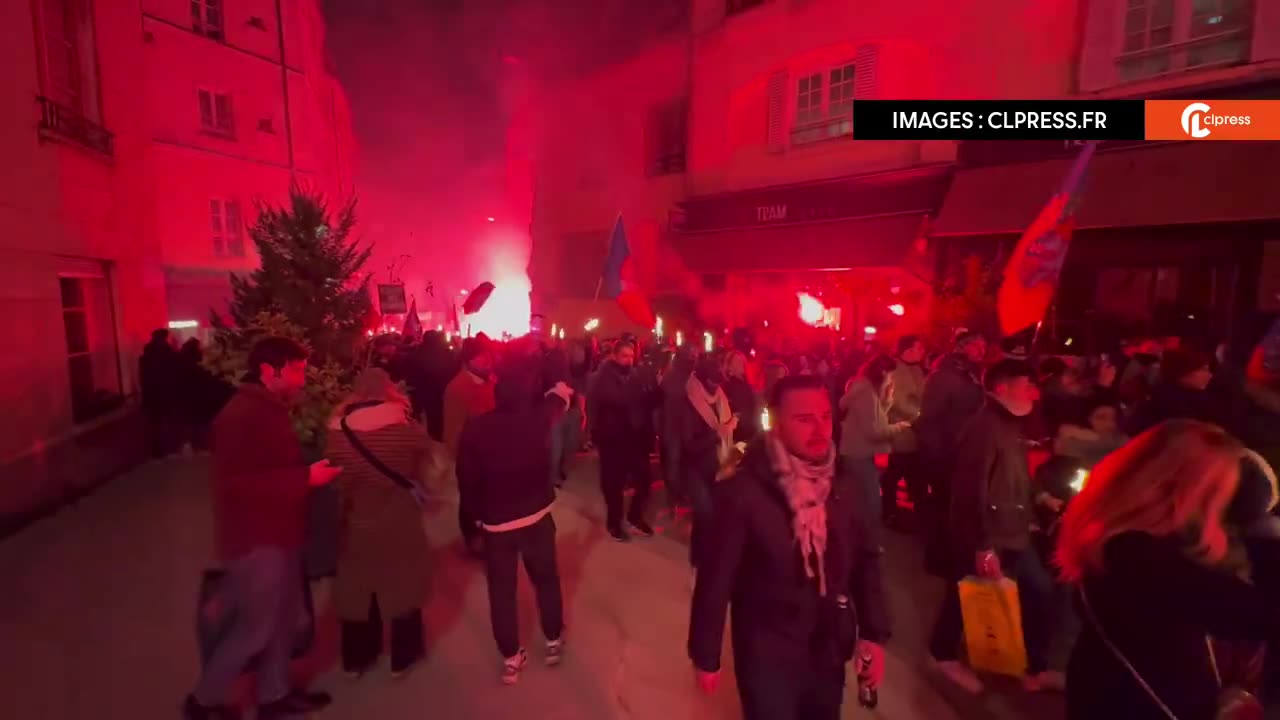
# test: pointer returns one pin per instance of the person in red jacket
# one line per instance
(260, 487)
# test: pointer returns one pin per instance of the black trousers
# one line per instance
(775, 690)
(362, 641)
(622, 465)
(536, 545)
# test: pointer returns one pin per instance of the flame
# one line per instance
(812, 311)
(897, 309)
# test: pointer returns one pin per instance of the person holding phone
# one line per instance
(260, 488)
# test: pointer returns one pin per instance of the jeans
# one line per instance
(624, 464)
(564, 443)
(1035, 599)
(264, 590)
(864, 479)
(536, 545)
(362, 641)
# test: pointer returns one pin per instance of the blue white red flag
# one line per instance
(617, 279)
(1031, 275)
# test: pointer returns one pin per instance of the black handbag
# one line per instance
(415, 491)
(215, 618)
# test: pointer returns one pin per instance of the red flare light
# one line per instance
(812, 311)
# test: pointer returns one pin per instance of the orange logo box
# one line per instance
(1213, 119)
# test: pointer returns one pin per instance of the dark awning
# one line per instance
(1167, 184)
(866, 242)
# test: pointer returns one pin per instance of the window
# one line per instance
(1163, 36)
(215, 113)
(824, 105)
(93, 361)
(666, 138)
(226, 228)
(733, 7)
(69, 56)
(207, 19)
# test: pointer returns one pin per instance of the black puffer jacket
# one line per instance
(753, 568)
(504, 456)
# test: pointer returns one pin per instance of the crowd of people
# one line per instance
(1137, 481)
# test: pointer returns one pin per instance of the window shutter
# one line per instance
(206, 109)
(866, 72)
(777, 111)
(1266, 31)
(1099, 46)
(222, 103)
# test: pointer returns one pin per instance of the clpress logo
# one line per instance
(1212, 120)
(1191, 120)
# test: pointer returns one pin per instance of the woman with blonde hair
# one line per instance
(1143, 543)
(383, 553)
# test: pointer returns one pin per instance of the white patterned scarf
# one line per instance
(806, 485)
(714, 411)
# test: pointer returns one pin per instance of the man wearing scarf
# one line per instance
(788, 557)
(705, 436)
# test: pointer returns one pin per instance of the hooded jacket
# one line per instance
(991, 491)
(504, 456)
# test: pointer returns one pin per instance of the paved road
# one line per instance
(96, 619)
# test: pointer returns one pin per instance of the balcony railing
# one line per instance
(63, 123)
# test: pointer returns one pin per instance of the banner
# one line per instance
(391, 300)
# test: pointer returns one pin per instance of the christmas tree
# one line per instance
(307, 288)
(309, 273)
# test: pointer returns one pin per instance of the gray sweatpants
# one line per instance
(264, 591)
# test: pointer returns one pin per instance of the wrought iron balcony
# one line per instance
(62, 123)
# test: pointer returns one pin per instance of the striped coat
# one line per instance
(382, 547)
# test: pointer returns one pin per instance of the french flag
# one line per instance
(617, 280)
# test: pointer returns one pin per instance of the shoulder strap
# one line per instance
(1106, 640)
(372, 459)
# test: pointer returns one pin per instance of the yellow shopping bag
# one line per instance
(993, 626)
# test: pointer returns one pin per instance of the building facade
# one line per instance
(770, 194)
(239, 103)
(1178, 238)
(141, 132)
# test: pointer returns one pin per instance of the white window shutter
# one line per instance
(1100, 45)
(1266, 30)
(777, 110)
(866, 72)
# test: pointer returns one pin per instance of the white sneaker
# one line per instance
(555, 651)
(959, 674)
(512, 666)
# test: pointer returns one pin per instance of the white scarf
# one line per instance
(807, 486)
(714, 411)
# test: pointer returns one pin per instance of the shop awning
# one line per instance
(864, 242)
(1169, 184)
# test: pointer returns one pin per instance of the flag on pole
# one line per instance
(412, 325)
(617, 279)
(1031, 275)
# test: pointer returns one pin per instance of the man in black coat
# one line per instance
(623, 400)
(800, 596)
(504, 476)
(990, 517)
